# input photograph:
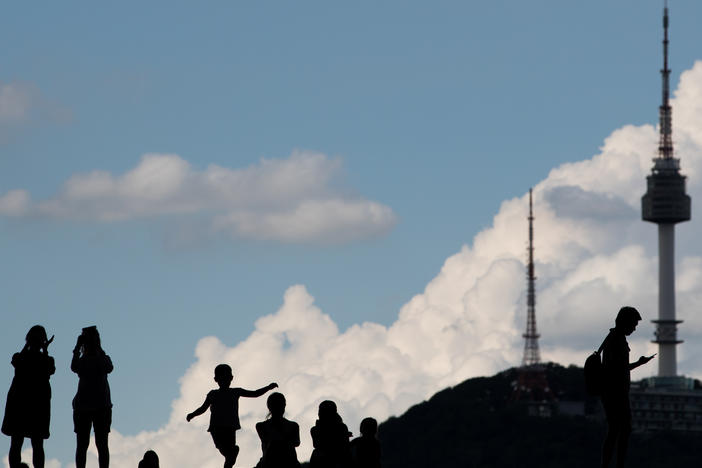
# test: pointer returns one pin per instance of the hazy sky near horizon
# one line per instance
(172, 171)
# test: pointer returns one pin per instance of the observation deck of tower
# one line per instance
(666, 203)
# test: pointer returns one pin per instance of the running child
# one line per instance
(223, 404)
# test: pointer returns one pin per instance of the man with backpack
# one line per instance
(616, 379)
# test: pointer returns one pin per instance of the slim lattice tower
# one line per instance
(531, 337)
(666, 203)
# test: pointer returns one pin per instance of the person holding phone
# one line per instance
(92, 405)
(616, 382)
(28, 407)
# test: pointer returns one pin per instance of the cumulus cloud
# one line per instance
(22, 103)
(296, 199)
(15, 102)
(593, 253)
(468, 320)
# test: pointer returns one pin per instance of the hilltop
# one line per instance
(477, 424)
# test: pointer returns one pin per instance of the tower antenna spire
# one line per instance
(532, 356)
(665, 145)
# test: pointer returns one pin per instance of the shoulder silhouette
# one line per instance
(279, 436)
(330, 438)
(365, 450)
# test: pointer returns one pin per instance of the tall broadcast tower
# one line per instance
(666, 203)
(532, 356)
(532, 384)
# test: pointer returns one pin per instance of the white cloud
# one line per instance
(594, 254)
(22, 103)
(14, 203)
(469, 319)
(290, 200)
(16, 101)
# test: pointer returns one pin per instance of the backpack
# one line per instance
(594, 378)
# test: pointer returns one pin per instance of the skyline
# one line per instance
(391, 118)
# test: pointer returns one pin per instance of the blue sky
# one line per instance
(438, 111)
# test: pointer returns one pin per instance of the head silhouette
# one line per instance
(150, 460)
(36, 337)
(90, 339)
(223, 375)
(369, 427)
(627, 319)
(327, 410)
(276, 404)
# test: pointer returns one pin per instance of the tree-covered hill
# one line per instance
(477, 424)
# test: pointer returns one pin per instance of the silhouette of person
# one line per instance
(365, 450)
(279, 436)
(28, 407)
(330, 438)
(223, 404)
(150, 460)
(92, 405)
(615, 386)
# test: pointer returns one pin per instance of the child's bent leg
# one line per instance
(230, 454)
(225, 441)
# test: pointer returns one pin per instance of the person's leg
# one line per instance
(225, 441)
(38, 452)
(230, 454)
(622, 447)
(15, 455)
(101, 426)
(102, 449)
(82, 442)
(82, 421)
(608, 446)
(624, 433)
(613, 430)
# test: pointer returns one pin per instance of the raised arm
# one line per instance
(107, 363)
(257, 393)
(75, 362)
(50, 366)
(199, 411)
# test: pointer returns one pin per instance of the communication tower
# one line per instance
(532, 384)
(666, 203)
(532, 356)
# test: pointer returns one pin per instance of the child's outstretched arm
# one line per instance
(259, 392)
(199, 411)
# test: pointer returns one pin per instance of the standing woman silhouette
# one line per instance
(92, 405)
(28, 408)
